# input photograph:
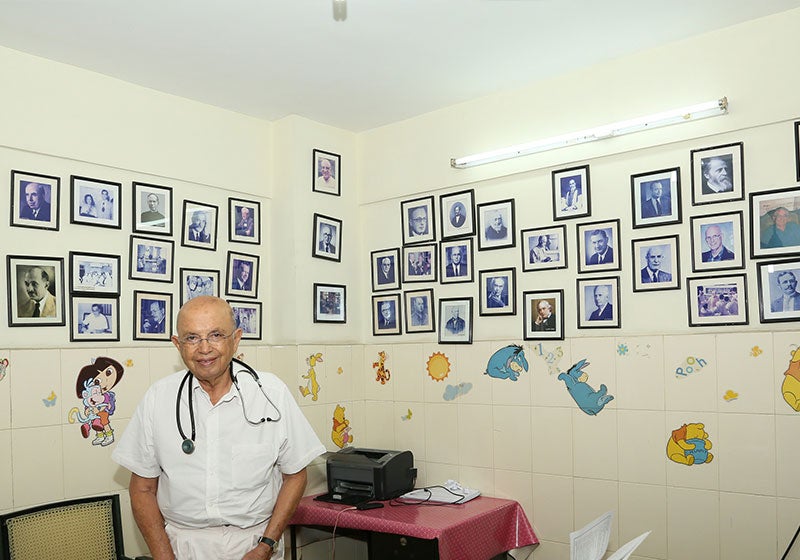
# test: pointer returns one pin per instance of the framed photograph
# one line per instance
(247, 315)
(242, 275)
(718, 174)
(717, 242)
(418, 221)
(386, 269)
(330, 303)
(199, 225)
(419, 311)
(775, 223)
(598, 303)
(457, 214)
(455, 321)
(598, 246)
(544, 248)
(34, 200)
(152, 209)
(543, 315)
(656, 198)
(198, 282)
(327, 242)
(717, 300)
(571, 196)
(457, 261)
(419, 263)
(35, 291)
(778, 298)
(152, 315)
(95, 202)
(498, 289)
(797, 148)
(386, 314)
(244, 221)
(151, 259)
(93, 273)
(94, 319)
(496, 223)
(657, 263)
(326, 169)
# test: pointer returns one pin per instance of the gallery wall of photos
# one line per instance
(108, 255)
(724, 238)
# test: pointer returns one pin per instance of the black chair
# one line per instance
(83, 529)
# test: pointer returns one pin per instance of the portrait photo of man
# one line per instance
(419, 311)
(95, 322)
(418, 221)
(496, 230)
(244, 221)
(326, 176)
(783, 229)
(785, 296)
(571, 191)
(601, 303)
(198, 227)
(497, 292)
(456, 262)
(326, 234)
(543, 317)
(657, 200)
(39, 300)
(388, 317)
(154, 314)
(386, 273)
(242, 280)
(715, 239)
(153, 216)
(35, 201)
(655, 260)
(455, 324)
(105, 209)
(458, 215)
(717, 174)
(599, 250)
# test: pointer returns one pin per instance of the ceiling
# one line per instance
(388, 61)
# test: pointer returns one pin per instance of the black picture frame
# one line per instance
(95, 202)
(710, 300)
(42, 191)
(248, 316)
(419, 320)
(496, 225)
(590, 313)
(386, 325)
(455, 320)
(386, 269)
(589, 236)
(766, 238)
(457, 261)
(547, 325)
(797, 149)
(571, 203)
(418, 222)
(244, 221)
(717, 242)
(152, 315)
(327, 238)
(151, 259)
(330, 303)
(419, 263)
(199, 227)
(496, 297)
(709, 164)
(46, 275)
(544, 248)
(777, 290)
(457, 214)
(94, 273)
(152, 209)
(656, 198)
(326, 173)
(657, 264)
(198, 282)
(241, 281)
(94, 319)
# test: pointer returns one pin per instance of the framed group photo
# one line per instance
(656, 264)
(35, 291)
(417, 220)
(327, 238)
(419, 311)
(718, 173)
(34, 200)
(457, 214)
(656, 198)
(386, 269)
(775, 223)
(543, 315)
(198, 282)
(496, 228)
(242, 275)
(152, 209)
(94, 273)
(199, 225)
(326, 170)
(598, 246)
(386, 314)
(247, 316)
(778, 298)
(455, 320)
(717, 242)
(419, 263)
(544, 248)
(598, 303)
(94, 319)
(244, 221)
(151, 259)
(330, 303)
(717, 300)
(498, 288)
(95, 202)
(457, 261)
(152, 315)
(571, 196)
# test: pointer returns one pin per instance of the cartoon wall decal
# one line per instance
(407, 416)
(589, 400)
(622, 349)
(755, 351)
(311, 387)
(438, 366)
(340, 434)
(550, 357)
(3, 368)
(128, 363)
(50, 400)
(730, 395)
(340, 370)
(451, 392)
(507, 363)
(93, 387)
(791, 382)
(381, 373)
(689, 366)
(689, 445)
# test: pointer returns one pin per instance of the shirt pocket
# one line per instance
(252, 465)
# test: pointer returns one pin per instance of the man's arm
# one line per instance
(289, 496)
(148, 517)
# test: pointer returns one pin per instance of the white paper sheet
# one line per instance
(625, 551)
(591, 541)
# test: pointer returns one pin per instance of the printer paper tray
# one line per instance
(340, 498)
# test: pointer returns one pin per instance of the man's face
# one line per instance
(497, 222)
(456, 312)
(386, 310)
(656, 190)
(326, 169)
(32, 196)
(497, 286)
(544, 310)
(96, 310)
(419, 305)
(245, 213)
(386, 264)
(599, 243)
(788, 283)
(152, 202)
(457, 210)
(456, 257)
(654, 258)
(419, 220)
(600, 296)
(105, 195)
(572, 185)
(717, 174)
(326, 236)
(244, 272)
(198, 221)
(35, 284)
(156, 312)
(714, 238)
(781, 218)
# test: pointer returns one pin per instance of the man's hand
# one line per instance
(260, 552)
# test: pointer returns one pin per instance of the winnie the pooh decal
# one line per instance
(689, 445)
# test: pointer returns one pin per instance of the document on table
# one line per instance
(591, 541)
(624, 552)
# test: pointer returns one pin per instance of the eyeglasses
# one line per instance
(214, 339)
(709, 237)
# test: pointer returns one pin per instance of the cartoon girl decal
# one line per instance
(93, 387)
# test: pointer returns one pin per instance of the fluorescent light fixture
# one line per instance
(684, 114)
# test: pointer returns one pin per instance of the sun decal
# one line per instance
(438, 366)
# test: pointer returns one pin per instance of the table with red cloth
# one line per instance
(476, 530)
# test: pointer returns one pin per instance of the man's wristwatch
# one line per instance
(269, 542)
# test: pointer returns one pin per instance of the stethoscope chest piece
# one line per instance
(187, 446)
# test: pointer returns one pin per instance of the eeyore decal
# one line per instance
(507, 363)
(589, 400)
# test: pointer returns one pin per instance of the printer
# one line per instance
(357, 475)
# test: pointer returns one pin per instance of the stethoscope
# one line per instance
(187, 444)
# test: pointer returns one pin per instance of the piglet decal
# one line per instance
(589, 400)
(507, 363)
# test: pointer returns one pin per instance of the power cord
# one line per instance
(333, 534)
(401, 501)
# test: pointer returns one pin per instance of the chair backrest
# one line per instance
(83, 529)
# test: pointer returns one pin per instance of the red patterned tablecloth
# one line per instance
(477, 530)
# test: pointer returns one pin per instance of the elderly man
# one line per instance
(716, 176)
(455, 324)
(418, 222)
(244, 225)
(496, 297)
(152, 216)
(386, 272)
(36, 206)
(604, 311)
(40, 302)
(783, 232)
(789, 300)
(717, 251)
(652, 271)
(456, 267)
(325, 180)
(658, 204)
(325, 244)
(419, 312)
(198, 228)
(496, 229)
(387, 320)
(545, 320)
